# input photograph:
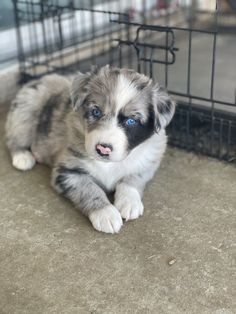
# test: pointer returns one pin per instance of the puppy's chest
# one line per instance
(108, 174)
(144, 159)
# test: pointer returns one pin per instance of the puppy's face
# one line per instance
(119, 109)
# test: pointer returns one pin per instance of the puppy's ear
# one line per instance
(164, 106)
(79, 89)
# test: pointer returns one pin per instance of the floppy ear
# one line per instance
(164, 107)
(79, 89)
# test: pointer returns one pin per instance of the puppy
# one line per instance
(104, 132)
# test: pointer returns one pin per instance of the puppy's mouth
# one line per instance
(102, 157)
(106, 158)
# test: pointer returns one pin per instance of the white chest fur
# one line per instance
(145, 157)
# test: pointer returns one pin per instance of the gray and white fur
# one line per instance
(102, 132)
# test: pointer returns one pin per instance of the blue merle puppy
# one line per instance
(102, 132)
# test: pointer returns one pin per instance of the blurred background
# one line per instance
(187, 46)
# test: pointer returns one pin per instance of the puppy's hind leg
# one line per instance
(23, 160)
(20, 130)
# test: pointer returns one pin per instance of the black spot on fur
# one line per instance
(75, 153)
(14, 105)
(158, 126)
(141, 86)
(67, 105)
(115, 72)
(74, 170)
(61, 181)
(63, 176)
(96, 198)
(139, 132)
(79, 101)
(139, 83)
(34, 85)
(45, 117)
(75, 99)
(165, 108)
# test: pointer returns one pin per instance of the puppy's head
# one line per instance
(119, 109)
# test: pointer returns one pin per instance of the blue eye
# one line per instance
(96, 112)
(130, 121)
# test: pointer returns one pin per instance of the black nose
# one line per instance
(104, 149)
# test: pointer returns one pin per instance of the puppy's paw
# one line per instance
(128, 202)
(23, 160)
(106, 219)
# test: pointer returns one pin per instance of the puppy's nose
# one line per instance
(104, 149)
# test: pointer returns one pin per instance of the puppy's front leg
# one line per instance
(78, 186)
(128, 196)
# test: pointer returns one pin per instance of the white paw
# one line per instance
(128, 202)
(106, 219)
(23, 160)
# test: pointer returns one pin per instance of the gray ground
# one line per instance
(52, 261)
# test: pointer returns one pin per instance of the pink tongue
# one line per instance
(104, 150)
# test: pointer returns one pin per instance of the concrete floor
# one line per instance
(52, 261)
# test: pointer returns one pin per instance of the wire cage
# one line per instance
(188, 49)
